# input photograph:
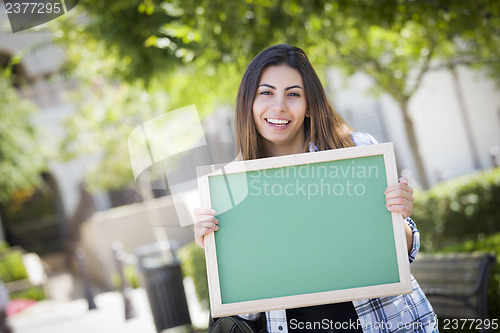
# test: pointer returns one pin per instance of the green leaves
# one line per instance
(21, 160)
(107, 115)
(465, 208)
(194, 266)
(195, 51)
(155, 38)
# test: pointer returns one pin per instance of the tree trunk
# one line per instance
(462, 107)
(2, 233)
(412, 140)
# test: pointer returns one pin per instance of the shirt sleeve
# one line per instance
(363, 139)
(416, 239)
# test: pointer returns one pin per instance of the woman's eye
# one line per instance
(294, 94)
(265, 92)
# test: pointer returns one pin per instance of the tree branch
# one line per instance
(423, 70)
(465, 62)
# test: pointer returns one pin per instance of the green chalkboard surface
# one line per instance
(304, 228)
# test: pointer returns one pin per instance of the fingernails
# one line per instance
(213, 211)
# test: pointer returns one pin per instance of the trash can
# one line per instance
(163, 280)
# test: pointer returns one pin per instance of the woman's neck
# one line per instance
(272, 149)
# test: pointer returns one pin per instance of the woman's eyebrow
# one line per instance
(273, 87)
(294, 86)
(267, 85)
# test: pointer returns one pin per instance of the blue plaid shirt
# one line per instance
(402, 313)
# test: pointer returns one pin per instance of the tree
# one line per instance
(108, 114)
(21, 160)
(197, 50)
(399, 44)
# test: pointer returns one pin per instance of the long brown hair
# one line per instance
(325, 128)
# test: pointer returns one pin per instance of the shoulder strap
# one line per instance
(232, 324)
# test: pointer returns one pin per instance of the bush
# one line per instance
(35, 293)
(193, 265)
(12, 269)
(488, 244)
(131, 275)
(458, 210)
(12, 266)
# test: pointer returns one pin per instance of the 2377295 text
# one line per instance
(472, 324)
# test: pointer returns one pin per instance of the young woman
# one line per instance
(282, 109)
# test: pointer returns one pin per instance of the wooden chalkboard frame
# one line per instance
(404, 286)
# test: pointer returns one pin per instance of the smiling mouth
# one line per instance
(278, 122)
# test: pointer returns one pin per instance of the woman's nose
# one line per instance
(279, 104)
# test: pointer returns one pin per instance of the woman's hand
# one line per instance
(399, 198)
(205, 223)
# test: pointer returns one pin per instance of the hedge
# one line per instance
(12, 266)
(462, 209)
(131, 275)
(34, 293)
(12, 269)
(193, 265)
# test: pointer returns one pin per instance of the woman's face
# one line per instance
(279, 109)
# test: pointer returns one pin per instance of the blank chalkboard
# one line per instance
(303, 230)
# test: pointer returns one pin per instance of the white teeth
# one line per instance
(277, 121)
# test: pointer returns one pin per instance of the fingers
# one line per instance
(199, 236)
(405, 210)
(399, 192)
(204, 211)
(401, 185)
(399, 198)
(205, 223)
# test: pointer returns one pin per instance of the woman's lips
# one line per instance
(277, 122)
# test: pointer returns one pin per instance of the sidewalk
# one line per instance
(73, 316)
(64, 316)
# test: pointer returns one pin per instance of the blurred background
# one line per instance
(423, 74)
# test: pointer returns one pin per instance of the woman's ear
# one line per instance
(308, 113)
